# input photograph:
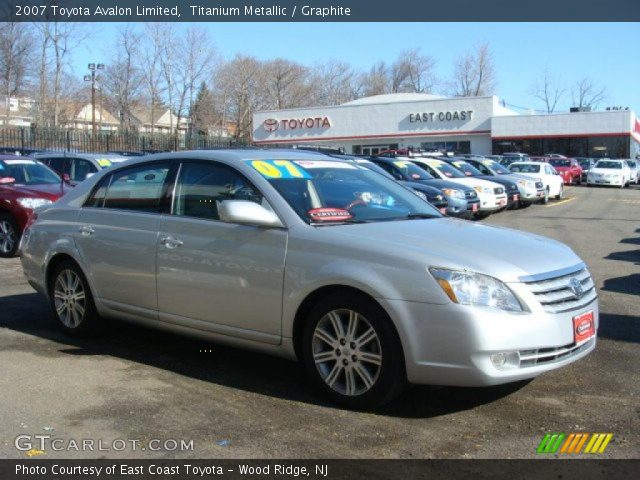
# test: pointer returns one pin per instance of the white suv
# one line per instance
(551, 180)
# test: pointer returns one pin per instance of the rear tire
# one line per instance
(352, 352)
(9, 237)
(561, 193)
(72, 303)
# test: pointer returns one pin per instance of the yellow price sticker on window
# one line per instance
(104, 163)
(401, 163)
(278, 169)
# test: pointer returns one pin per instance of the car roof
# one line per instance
(15, 157)
(88, 156)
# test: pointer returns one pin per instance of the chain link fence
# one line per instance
(26, 140)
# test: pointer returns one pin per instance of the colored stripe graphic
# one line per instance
(574, 442)
(551, 442)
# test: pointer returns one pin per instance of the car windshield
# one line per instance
(445, 169)
(584, 163)
(331, 192)
(608, 164)
(524, 168)
(411, 170)
(495, 167)
(374, 167)
(466, 168)
(27, 172)
(560, 162)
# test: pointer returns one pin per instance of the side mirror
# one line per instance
(247, 213)
(89, 175)
(7, 180)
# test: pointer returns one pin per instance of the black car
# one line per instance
(510, 187)
(586, 164)
(462, 201)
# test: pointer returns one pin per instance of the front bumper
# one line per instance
(606, 181)
(452, 344)
(461, 208)
(491, 203)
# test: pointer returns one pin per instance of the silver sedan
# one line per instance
(313, 259)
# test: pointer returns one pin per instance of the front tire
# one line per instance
(545, 199)
(9, 237)
(352, 352)
(560, 193)
(71, 301)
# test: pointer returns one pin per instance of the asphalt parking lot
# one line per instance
(141, 384)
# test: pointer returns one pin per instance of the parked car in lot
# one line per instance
(568, 168)
(634, 174)
(317, 260)
(510, 187)
(492, 195)
(74, 167)
(24, 185)
(462, 201)
(551, 180)
(508, 158)
(610, 172)
(586, 164)
(531, 189)
(431, 194)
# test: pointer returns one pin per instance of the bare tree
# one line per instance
(333, 83)
(375, 81)
(413, 72)
(151, 66)
(239, 86)
(474, 73)
(61, 39)
(15, 46)
(286, 84)
(122, 79)
(586, 93)
(548, 91)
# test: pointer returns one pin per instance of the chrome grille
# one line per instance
(541, 356)
(556, 296)
(498, 190)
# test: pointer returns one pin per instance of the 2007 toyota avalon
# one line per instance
(313, 259)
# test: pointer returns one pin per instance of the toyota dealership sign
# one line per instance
(303, 123)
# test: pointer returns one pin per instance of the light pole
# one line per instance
(92, 78)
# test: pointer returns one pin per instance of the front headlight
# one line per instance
(467, 288)
(450, 192)
(32, 203)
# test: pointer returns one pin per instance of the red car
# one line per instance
(568, 168)
(24, 185)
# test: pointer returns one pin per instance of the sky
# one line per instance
(607, 53)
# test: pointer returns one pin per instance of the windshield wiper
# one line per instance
(417, 216)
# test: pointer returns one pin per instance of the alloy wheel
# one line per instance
(69, 298)
(7, 237)
(347, 352)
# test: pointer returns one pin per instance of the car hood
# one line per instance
(500, 252)
(607, 170)
(436, 182)
(50, 191)
(521, 176)
(476, 182)
(562, 169)
(423, 187)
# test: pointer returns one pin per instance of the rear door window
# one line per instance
(137, 188)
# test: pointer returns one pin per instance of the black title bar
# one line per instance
(319, 11)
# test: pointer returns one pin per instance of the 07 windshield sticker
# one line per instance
(104, 163)
(434, 163)
(271, 169)
(401, 163)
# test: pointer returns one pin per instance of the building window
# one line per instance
(456, 147)
(595, 147)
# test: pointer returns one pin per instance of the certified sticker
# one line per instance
(329, 214)
(104, 162)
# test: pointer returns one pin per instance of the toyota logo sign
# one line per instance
(270, 124)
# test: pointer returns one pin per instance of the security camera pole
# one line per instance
(92, 78)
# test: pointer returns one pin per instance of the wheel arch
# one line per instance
(316, 296)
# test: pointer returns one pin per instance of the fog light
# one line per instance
(505, 360)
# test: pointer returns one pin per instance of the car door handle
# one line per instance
(170, 242)
(87, 230)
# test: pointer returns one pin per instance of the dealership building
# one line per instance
(480, 125)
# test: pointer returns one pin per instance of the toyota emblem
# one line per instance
(575, 286)
(270, 124)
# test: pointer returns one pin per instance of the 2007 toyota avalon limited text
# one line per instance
(313, 259)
